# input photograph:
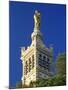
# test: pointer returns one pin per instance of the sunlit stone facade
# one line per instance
(36, 59)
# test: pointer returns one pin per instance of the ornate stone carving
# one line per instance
(37, 20)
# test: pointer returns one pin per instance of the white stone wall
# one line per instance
(31, 76)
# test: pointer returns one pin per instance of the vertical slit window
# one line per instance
(29, 64)
(26, 68)
(33, 61)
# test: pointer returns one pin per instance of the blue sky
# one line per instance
(53, 28)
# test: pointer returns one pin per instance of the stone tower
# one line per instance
(37, 57)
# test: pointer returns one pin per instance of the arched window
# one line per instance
(44, 58)
(40, 56)
(48, 60)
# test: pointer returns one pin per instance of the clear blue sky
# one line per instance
(53, 28)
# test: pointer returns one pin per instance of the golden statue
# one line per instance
(37, 20)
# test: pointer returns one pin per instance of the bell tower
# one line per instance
(37, 57)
